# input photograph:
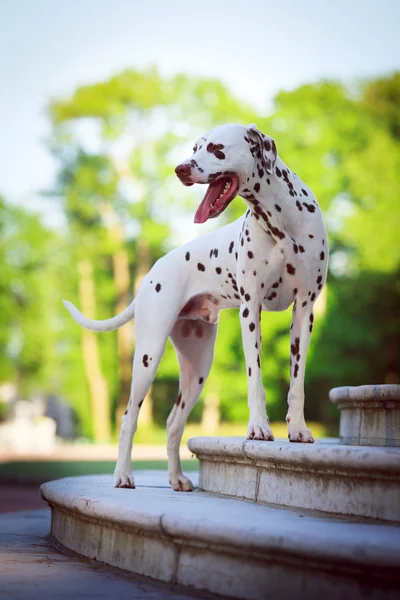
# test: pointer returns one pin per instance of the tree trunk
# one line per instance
(210, 418)
(91, 357)
(121, 281)
(121, 275)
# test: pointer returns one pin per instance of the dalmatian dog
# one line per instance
(273, 256)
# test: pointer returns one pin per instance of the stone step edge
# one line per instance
(343, 553)
(370, 396)
(358, 461)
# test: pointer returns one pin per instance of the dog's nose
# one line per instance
(183, 171)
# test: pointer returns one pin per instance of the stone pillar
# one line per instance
(369, 414)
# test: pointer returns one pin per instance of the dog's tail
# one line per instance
(107, 324)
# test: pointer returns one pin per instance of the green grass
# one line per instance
(40, 471)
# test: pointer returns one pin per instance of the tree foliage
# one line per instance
(117, 143)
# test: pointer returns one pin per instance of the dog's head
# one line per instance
(227, 158)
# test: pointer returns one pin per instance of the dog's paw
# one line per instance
(260, 432)
(123, 479)
(300, 434)
(180, 483)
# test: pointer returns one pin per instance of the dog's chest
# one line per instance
(254, 246)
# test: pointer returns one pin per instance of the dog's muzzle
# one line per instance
(184, 172)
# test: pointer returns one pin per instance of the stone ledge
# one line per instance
(351, 480)
(222, 545)
(369, 395)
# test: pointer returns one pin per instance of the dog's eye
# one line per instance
(195, 148)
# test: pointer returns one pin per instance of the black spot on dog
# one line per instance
(231, 247)
(309, 207)
(295, 347)
(290, 269)
(257, 187)
(145, 360)
(201, 267)
(247, 297)
(187, 256)
(216, 149)
(252, 326)
(322, 255)
(158, 287)
(201, 379)
(245, 313)
(249, 371)
(250, 254)
(278, 208)
(140, 403)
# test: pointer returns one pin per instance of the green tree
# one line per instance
(117, 143)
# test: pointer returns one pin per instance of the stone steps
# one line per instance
(227, 546)
(327, 476)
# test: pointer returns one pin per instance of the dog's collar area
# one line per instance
(219, 194)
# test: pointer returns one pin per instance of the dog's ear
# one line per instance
(262, 147)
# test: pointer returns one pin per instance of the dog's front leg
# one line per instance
(302, 324)
(259, 428)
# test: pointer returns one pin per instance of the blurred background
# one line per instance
(99, 102)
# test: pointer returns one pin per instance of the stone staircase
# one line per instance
(270, 520)
(329, 477)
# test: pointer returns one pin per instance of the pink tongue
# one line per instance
(203, 212)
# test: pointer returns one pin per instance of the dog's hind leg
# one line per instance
(152, 331)
(194, 343)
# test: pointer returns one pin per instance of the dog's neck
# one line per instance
(265, 198)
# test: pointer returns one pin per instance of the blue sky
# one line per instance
(48, 47)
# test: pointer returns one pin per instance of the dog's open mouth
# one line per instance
(219, 194)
